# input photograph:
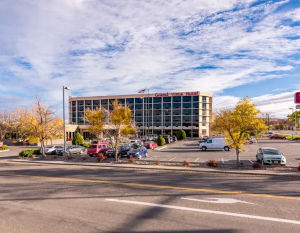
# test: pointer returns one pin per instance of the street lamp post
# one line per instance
(64, 88)
(295, 122)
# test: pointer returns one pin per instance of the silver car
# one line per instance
(267, 155)
(75, 149)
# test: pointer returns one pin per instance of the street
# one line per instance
(49, 198)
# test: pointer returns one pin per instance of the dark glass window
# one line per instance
(196, 105)
(74, 120)
(139, 119)
(73, 103)
(111, 101)
(195, 98)
(157, 100)
(195, 118)
(186, 105)
(167, 105)
(138, 106)
(74, 114)
(139, 100)
(96, 102)
(186, 124)
(156, 119)
(195, 112)
(139, 113)
(176, 99)
(203, 98)
(204, 106)
(186, 119)
(186, 112)
(167, 112)
(80, 108)
(176, 105)
(176, 112)
(130, 101)
(80, 102)
(74, 109)
(148, 100)
(88, 102)
(203, 118)
(157, 112)
(103, 102)
(148, 106)
(176, 118)
(157, 106)
(80, 114)
(167, 99)
(167, 118)
(80, 121)
(187, 98)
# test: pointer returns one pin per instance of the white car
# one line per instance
(52, 150)
(267, 155)
(214, 144)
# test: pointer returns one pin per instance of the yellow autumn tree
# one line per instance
(95, 119)
(42, 124)
(119, 125)
(239, 124)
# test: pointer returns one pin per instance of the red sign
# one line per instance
(177, 94)
(297, 98)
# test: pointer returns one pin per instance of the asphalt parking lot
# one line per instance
(189, 150)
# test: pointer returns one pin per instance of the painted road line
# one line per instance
(172, 159)
(161, 148)
(196, 159)
(80, 180)
(250, 161)
(206, 211)
(218, 200)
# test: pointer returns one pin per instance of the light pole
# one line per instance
(295, 122)
(64, 88)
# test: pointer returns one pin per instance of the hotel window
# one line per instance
(203, 98)
(167, 105)
(187, 99)
(157, 100)
(186, 105)
(73, 103)
(195, 98)
(80, 102)
(138, 100)
(167, 99)
(88, 102)
(176, 99)
(96, 102)
(196, 105)
(157, 106)
(176, 105)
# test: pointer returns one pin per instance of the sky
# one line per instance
(231, 48)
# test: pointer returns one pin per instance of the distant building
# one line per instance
(159, 113)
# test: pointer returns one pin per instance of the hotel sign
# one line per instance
(194, 93)
(297, 97)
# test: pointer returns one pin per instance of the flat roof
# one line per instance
(164, 94)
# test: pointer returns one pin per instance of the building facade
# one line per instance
(159, 113)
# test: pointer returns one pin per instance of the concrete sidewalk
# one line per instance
(170, 168)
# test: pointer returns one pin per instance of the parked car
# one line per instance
(174, 138)
(75, 149)
(267, 155)
(252, 140)
(150, 144)
(52, 150)
(167, 139)
(270, 133)
(276, 136)
(215, 144)
(123, 150)
(95, 149)
(136, 141)
(137, 151)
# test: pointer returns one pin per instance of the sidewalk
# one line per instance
(170, 168)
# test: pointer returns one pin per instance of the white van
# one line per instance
(214, 144)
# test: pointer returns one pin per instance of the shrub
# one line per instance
(160, 141)
(186, 163)
(181, 135)
(100, 157)
(132, 159)
(78, 139)
(85, 144)
(157, 162)
(29, 152)
(4, 147)
(212, 163)
(256, 165)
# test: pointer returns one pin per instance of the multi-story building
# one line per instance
(159, 113)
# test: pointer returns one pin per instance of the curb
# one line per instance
(4, 150)
(171, 169)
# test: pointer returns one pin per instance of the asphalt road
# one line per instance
(49, 198)
(189, 150)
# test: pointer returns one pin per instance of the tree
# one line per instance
(78, 139)
(42, 124)
(291, 117)
(95, 119)
(119, 125)
(6, 124)
(181, 135)
(160, 140)
(238, 124)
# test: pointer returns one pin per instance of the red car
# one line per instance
(276, 136)
(150, 144)
(98, 147)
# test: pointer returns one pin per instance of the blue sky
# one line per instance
(232, 48)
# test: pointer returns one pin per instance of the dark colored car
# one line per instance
(168, 139)
(123, 150)
(276, 136)
(137, 151)
(174, 138)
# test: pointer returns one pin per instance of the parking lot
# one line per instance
(189, 150)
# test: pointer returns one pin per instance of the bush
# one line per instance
(181, 135)
(256, 165)
(186, 163)
(100, 157)
(85, 144)
(4, 147)
(212, 163)
(29, 152)
(78, 139)
(160, 141)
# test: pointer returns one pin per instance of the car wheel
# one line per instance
(203, 148)
(226, 148)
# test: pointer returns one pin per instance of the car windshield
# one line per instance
(271, 152)
(124, 147)
(93, 146)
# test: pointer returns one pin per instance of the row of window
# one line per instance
(174, 99)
